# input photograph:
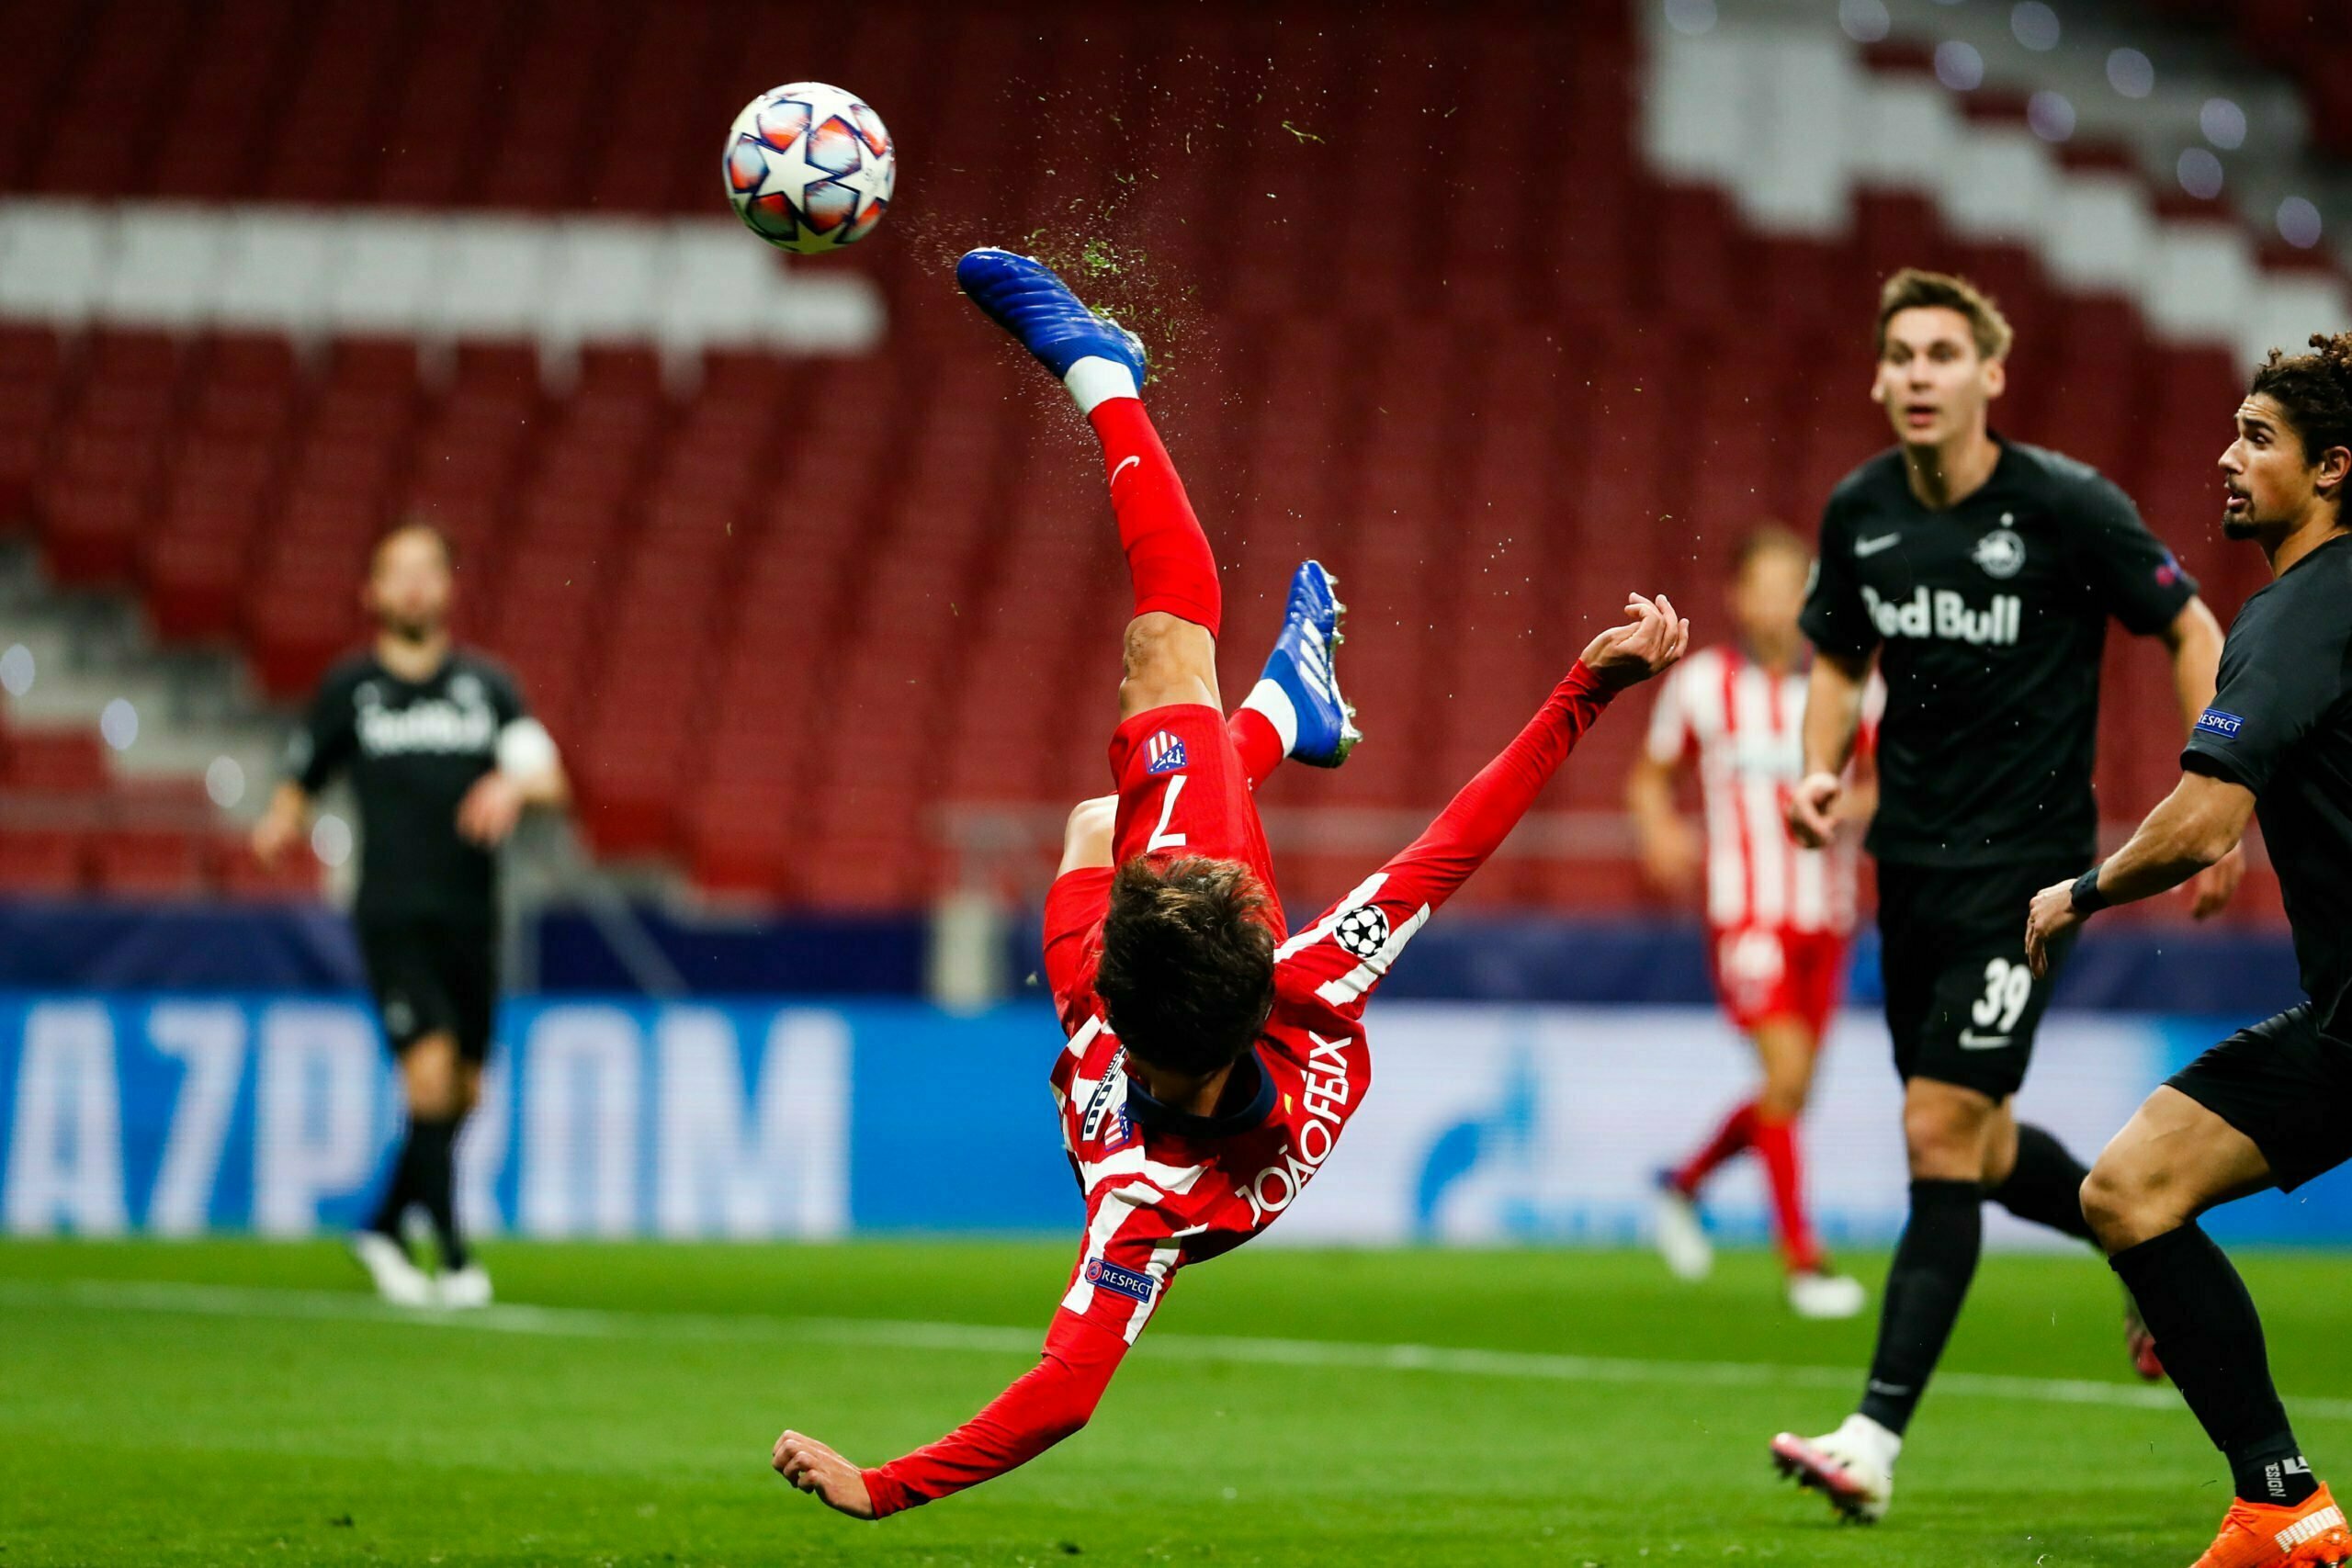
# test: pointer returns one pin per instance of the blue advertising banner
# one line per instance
(1487, 1123)
(178, 1115)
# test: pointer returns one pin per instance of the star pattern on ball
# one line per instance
(811, 169)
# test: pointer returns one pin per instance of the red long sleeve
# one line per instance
(1045, 1404)
(1347, 953)
(1487, 808)
(1057, 1396)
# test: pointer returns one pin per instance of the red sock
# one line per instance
(1257, 741)
(1776, 1145)
(1736, 1133)
(1168, 559)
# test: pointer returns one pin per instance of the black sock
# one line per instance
(400, 1190)
(2045, 1185)
(1933, 1265)
(436, 1182)
(2211, 1339)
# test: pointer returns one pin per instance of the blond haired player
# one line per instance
(1979, 574)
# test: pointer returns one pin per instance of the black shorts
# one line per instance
(1960, 1002)
(433, 976)
(2284, 1085)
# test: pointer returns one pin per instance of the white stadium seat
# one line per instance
(53, 258)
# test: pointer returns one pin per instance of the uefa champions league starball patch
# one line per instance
(1363, 931)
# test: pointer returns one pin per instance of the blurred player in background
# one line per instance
(1213, 1058)
(1777, 914)
(444, 759)
(1981, 574)
(2271, 1106)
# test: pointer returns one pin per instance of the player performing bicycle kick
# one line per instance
(1213, 1058)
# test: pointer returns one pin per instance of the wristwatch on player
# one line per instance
(2088, 899)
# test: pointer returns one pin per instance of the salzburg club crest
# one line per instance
(1363, 931)
(2001, 553)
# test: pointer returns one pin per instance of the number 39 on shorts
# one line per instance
(2008, 985)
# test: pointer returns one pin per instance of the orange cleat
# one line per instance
(2262, 1535)
(2139, 1343)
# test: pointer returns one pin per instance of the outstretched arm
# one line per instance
(1045, 1404)
(2193, 827)
(1371, 926)
(1483, 814)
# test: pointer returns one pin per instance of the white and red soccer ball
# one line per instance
(810, 168)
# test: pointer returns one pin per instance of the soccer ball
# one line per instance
(809, 168)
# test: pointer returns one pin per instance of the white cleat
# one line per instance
(464, 1288)
(398, 1281)
(1681, 1239)
(1821, 1295)
(1853, 1466)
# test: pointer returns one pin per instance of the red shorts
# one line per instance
(1762, 973)
(1183, 791)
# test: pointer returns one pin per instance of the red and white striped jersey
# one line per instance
(1743, 728)
(1158, 1198)
(1163, 1190)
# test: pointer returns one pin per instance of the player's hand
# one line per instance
(1812, 809)
(490, 810)
(1653, 638)
(2211, 889)
(275, 834)
(1671, 854)
(816, 1469)
(2052, 916)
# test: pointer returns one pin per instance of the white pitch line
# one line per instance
(595, 1323)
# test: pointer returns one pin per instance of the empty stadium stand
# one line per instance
(1444, 329)
(2300, 39)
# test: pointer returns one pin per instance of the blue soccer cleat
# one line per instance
(1301, 666)
(1026, 297)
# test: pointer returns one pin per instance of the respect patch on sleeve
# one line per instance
(2221, 726)
(1105, 1275)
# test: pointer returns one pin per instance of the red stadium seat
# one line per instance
(786, 616)
(148, 864)
(237, 874)
(42, 861)
(56, 761)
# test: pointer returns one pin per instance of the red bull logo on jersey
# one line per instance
(1163, 753)
(1105, 1275)
(1944, 613)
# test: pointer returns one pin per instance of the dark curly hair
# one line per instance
(2314, 391)
(1187, 974)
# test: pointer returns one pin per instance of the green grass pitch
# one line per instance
(244, 1402)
